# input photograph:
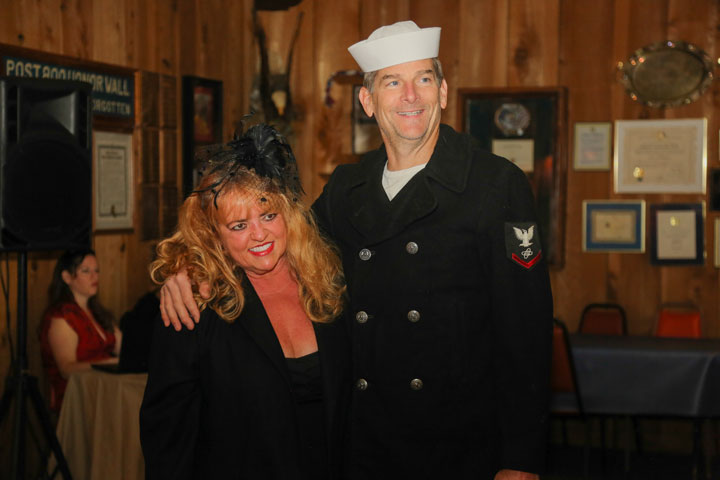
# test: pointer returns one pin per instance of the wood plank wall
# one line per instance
(485, 43)
(201, 38)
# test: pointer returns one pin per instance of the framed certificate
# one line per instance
(519, 151)
(676, 230)
(592, 146)
(660, 156)
(114, 198)
(613, 226)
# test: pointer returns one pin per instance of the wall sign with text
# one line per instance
(113, 95)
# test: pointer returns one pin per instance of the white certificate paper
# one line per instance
(659, 156)
(592, 146)
(614, 226)
(676, 238)
(521, 152)
(113, 180)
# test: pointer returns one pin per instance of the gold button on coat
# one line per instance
(361, 384)
(412, 248)
(361, 317)
(413, 316)
(416, 384)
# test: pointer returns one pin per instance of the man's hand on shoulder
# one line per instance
(177, 303)
(515, 475)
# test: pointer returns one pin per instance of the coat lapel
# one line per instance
(256, 323)
(412, 203)
(367, 199)
(374, 216)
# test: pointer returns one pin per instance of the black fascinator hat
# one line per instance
(260, 151)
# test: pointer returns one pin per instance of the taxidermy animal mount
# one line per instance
(270, 97)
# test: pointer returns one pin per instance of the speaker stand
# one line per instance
(24, 387)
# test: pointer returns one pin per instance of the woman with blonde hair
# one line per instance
(258, 389)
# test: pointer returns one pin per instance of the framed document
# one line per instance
(113, 165)
(519, 151)
(528, 126)
(676, 230)
(592, 146)
(660, 156)
(613, 226)
(717, 243)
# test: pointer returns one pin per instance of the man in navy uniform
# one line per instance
(450, 303)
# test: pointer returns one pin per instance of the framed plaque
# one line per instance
(592, 146)
(528, 127)
(202, 115)
(113, 166)
(660, 156)
(613, 226)
(519, 151)
(676, 232)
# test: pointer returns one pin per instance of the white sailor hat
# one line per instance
(393, 44)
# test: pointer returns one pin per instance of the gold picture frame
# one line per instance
(660, 156)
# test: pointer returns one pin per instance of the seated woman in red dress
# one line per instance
(76, 331)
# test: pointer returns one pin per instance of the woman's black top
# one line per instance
(307, 391)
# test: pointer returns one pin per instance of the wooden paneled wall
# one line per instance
(485, 43)
(202, 38)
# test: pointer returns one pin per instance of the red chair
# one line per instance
(563, 380)
(679, 321)
(682, 320)
(603, 319)
(566, 398)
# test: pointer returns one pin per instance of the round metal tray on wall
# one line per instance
(667, 74)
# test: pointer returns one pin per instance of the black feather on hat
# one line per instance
(261, 150)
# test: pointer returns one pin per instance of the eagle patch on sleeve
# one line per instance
(522, 243)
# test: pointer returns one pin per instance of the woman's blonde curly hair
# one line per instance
(196, 245)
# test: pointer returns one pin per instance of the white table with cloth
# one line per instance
(98, 428)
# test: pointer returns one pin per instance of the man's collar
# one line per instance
(450, 162)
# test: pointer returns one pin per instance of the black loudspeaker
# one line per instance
(45, 155)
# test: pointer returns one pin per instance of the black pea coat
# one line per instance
(450, 322)
(219, 403)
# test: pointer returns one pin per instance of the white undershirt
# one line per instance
(394, 181)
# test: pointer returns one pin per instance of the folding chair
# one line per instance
(679, 320)
(603, 319)
(607, 319)
(566, 398)
(682, 320)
